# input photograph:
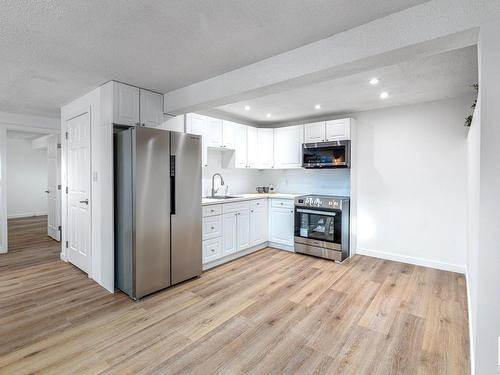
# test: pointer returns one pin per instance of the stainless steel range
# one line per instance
(322, 226)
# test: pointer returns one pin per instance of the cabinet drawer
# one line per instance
(258, 203)
(212, 249)
(285, 203)
(214, 209)
(235, 207)
(212, 227)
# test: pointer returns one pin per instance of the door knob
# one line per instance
(86, 201)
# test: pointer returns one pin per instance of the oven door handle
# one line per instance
(325, 213)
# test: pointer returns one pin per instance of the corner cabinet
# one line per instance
(288, 147)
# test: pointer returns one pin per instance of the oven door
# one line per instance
(318, 227)
(326, 155)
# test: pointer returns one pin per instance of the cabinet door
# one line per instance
(240, 146)
(196, 124)
(125, 104)
(252, 147)
(281, 226)
(314, 132)
(175, 124)
(243, 231)
(338, 130)
(212, 249)
(288, 147)
(228, 129)
(258, 226)
(265, 148)
(151, 108)
(214, 132)
(229, 233)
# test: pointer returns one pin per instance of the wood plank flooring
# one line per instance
(271, 312)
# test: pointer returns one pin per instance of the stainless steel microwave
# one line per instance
(335, 154)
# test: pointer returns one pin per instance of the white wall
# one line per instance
(483, 252)
(26, 179)
(412, 183)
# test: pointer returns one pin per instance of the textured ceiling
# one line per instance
(54, 51)
(436, 77)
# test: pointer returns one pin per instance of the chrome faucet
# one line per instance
(221, 183)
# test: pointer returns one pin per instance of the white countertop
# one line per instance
(247, 197)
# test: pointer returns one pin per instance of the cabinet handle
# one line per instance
(291, 211)
(212, 250)
(212, 228)
(251, 210)
(137, 123)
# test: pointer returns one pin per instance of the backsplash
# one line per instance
(298, 181)
(308, 181)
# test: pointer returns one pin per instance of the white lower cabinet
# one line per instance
(243, 230)
(229, 233)
(281, 225)
(230, 228)
(212, 249)
(258, 225)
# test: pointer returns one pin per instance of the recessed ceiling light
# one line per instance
(268, 115)
(317, 106)
(247, 108)
(384, 95)
(374, 81)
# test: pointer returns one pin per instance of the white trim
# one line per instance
(471, 333)
(28, 214)
(280, 246)
(62, 256)
(234, 256)
(413, 260)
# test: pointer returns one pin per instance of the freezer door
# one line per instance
(152, 210)
(186, 206)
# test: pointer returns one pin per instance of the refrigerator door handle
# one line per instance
(172, 184)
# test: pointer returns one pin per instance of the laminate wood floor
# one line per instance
(268, 313)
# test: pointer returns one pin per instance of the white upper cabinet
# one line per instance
(214, 132)
(338, 130)
(125, 104)
(265, 148)
(288, 147)
(175, 124)
(151, 108)
(314, 132)
(252, 147)
(240, 145)
(228, 136)
(196, 124)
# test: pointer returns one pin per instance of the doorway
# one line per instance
(32, 186)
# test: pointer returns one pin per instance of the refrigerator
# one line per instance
(157, 210)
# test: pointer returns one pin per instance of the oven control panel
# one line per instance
(334, 203)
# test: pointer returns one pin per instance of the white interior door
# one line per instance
(78, 234)
(53, 184)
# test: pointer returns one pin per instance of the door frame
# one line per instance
(64, 183)
(4, 241)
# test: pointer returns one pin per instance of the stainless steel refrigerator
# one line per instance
(157, 189)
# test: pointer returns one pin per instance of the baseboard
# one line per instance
(280, 246)
(412, 260)
(234, 256)
(472, 355)
(63, 257)
(30, 214)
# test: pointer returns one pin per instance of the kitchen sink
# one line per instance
(221, 197)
